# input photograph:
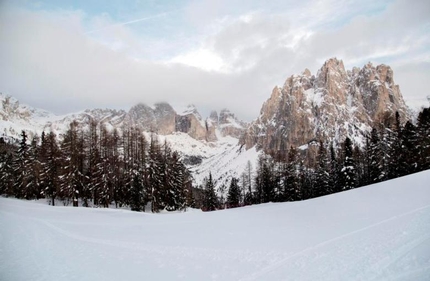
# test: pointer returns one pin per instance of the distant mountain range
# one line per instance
(328, 106)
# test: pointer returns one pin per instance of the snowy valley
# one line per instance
(214, 140)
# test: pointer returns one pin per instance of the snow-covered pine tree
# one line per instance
(72, 180)
(95, 165)
(168, 194)
(360, 160)
(376, 165)
(156, 175)
(23, 187)
(322, 183)
(127, 164)
(6, 169)
(106, 169)
(50, 176)
(348, 173)
(117, 168)
(36, 167)
(423, 129)
(178, 177)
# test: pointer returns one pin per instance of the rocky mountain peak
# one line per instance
(307, 73)
(190, 122)
(165, 117)
(143, 116)
(191, 109)
(230, 125)
(225, 116)
(330, 106)
(213, 117)
(11, 109)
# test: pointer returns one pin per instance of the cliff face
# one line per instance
(191, 122)
(331, 105)
(224, 124)
(229, 125)
(159, 119)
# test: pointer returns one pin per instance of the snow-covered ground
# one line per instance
(380, 232)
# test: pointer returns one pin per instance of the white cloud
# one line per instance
(202, 58)
(47, 60)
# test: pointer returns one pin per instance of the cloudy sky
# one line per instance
(65, 56)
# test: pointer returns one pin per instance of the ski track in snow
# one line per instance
(401, 253)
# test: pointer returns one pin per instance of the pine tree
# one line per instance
(408, 158)
(423, 130)
(292, 187)
(116, 166)
(95, 168)
(7, 178)
(51, 172)
(334, 185)
(190, 200)
(233, 196)
(176, 194)
(156, 175)
(322, 183)
(36, 168)
(394, 139)
(267, 181)
(72, 180)
(137, 194)
(360, 160)
(348, 171)
(23, 187)
(376, 167)
(210, 201)
(169, 195)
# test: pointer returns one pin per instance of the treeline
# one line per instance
(96, 167)
(391, 150)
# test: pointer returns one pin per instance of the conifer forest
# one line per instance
(101, 168)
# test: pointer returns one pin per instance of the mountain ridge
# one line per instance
(329, 106)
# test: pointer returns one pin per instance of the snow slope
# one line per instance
(224, 158)
(379, 232)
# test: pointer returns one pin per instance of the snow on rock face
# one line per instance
(15, 117)
(108, 117)
(329, 106)
(229, 125)
(159, 119)
(379, 232)
(198, 141)
(191, 122)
